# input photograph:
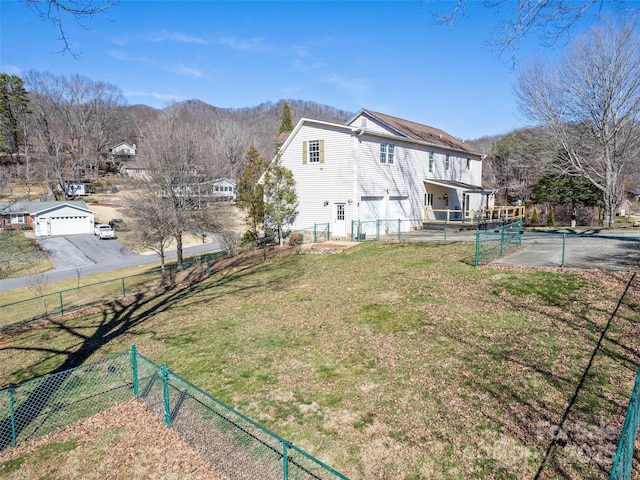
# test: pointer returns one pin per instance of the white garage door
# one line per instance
(398, 208)
(68, 225)
(371, 210)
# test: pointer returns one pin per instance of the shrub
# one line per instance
(296, 239)
(551, 219)
(534, 216)
(247, 238)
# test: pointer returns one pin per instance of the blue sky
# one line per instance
(386, 56)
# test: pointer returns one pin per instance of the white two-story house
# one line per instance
(382, 172)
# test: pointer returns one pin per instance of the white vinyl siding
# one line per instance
(350, 172)
(63, 220)
(328, 181)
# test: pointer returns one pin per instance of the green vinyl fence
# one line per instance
(20, 313)
(237, 446)
(623, 461)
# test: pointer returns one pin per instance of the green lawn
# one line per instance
(389, 361)
(20, 256)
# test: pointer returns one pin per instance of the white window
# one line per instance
(387, 153)
(468, 164)
(430, 162)
(314, 151)
(18, 218)
(447, 162)
(428, 199)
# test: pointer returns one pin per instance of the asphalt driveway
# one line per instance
(81, 250)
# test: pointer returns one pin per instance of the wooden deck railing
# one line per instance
(474, 216)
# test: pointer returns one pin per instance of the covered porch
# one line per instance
(451, 201)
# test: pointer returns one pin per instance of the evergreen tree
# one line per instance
(13, 107)
(286, 123)
(250, 194)
(534, 216)
(566, 189)
(281, 199)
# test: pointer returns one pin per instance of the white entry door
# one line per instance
(339, 222)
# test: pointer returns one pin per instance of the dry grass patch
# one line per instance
(391, 361)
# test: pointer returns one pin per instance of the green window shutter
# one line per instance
(304, 152)
(321, 151)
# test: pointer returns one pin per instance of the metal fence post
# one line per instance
(208, 264)
(124, 292)
(315, 236)
(285, 460)
(564, 246)
(477, 247)
(61, 304)
(134, 368)
(12, 388)
(165, 390)
(399, 227)
(623, 460)
(501, 241)
(446, 221)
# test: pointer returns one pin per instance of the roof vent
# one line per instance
(440, 136)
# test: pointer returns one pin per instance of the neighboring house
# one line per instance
(121, 156)
(625, 208)
(48, 218)
(134, 169)
(224, 190)
(122, 151)
(204, 192)
(377, 167)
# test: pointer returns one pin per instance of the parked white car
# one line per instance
(103, 231)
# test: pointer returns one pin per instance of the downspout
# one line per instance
(355, 212)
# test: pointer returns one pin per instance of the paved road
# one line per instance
(76, 255)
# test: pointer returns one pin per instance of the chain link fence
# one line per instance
(237, 446)
(17, 314)
(509, 245)
(623, 461)
(320, 232)
(34, 408)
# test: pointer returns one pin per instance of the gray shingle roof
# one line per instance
(35, 207)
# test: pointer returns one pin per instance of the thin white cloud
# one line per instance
(356, 86)
(120, 55)
(164, 36)
(254, 44)
(183, 70)
(180, 69)
(11, 69)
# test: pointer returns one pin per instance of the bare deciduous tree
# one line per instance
(176, 151)
(58, 12)
(73, 120)
(590, 103)
(154, 222)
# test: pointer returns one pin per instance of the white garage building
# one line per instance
(48, 218)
